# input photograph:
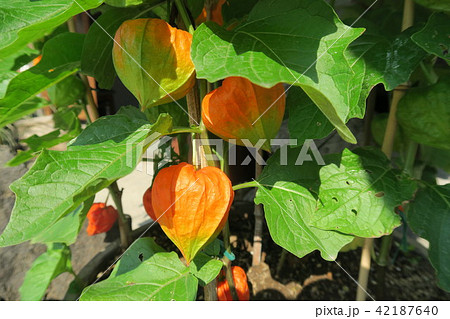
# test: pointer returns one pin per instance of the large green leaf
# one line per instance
(389, 61)
(306, 121)
(96, 59)
(289, 209)
(292, 165)
(424, 114)
(162, 277)
(60, 58)
(435, 36)
(58, 182)
(359, 196)
(44, 269)
(66, 229)
(24, 21)
(275, 46)
(203, 267)
(429, 217)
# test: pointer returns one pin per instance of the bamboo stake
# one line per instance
(387, 147)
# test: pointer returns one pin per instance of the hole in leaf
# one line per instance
(368, 171)
(379, 194)
(141, 257)
(347, 182)
(335, 199)
(354, 211)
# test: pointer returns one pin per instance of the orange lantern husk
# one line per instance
(147, 201)
(153, 60)
(241, 110)
(240, 284)
(101, 218)
(191, 206)
(216, 14)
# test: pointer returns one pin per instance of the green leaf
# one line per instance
(127, 3)
(205, 268)
(273, 46)
(359, 196)
(435, 36)
(213, 249)
(290, 165)
(10, 64)
(65, 119)
(66, 229)
(17, 59)
(289, 209)
(24, 21)
(305, 119)
(58, 182)
(162, 277)
(96, 58)
(67, 92)
(140, 251)
(441, 5)
(5, 78)
(60, 58)
(429, 217)
(236, 10)
(44, 269)
(436, 157)
(387, 61)
(424, 115)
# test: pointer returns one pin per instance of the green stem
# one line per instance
(227, 262)
(245, 185)
(431, 77)
(185, 16)
(411, 152)
(124, 228)
(194, 129)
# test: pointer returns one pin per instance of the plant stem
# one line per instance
(411, 152)
(227, 262)
(184, 16)
(194, 129)
(387, 148)
(210, 291)
(91, 107)
(257, 236)
(124, 227)
(281, 261)
(245, 185)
